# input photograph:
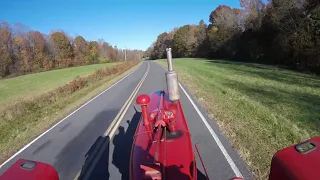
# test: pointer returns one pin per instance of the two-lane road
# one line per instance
(109, 120)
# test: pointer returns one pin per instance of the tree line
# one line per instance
(278, 32)
(24, 51)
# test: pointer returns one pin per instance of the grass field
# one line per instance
(260, 108)
(34, 84)
(25, 120)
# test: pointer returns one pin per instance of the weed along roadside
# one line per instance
(23, 121)
(261, 109)
(33, 85)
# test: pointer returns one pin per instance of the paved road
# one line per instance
(70, 145)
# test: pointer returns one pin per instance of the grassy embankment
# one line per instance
(37, 101)
(32, 85)
(260, 108)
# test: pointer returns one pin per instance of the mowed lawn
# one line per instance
(260, 108)
(34, 84)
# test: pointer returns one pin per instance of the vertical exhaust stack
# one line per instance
(172, 79)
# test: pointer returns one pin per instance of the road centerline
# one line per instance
(112, 128)
(55, 125)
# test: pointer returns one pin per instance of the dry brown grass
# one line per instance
(25, 120)
(33, 85)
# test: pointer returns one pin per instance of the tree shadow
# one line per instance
(201, 176)
(304, 107)
(96, 165)
(229, 62)
(271, 73)
(122, 146)
(76, 151)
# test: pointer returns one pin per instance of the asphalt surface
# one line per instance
(71, 145)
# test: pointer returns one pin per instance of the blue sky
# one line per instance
(133, 24)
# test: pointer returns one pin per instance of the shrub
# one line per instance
(29, 105)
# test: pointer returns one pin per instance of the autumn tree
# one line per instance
(149, 51)
(160, 46)
(62, 49)
(121, 54)
(201, 36)
(80, 50)
(103, 50)
(25, 51)
(112, 54)
(22, 54)
(223, 28)
(225, 19)
(169, 38)
(93, 53)
(134, 54)
(285, 32)
(39, 49)
(184, 41)
(5, 58)
(251, 14)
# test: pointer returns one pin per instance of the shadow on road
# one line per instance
(122, 146)
(96, 165)
(200, 175)
(123, 142)
(71, 158)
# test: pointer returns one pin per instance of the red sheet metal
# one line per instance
(289, 163)
(174, 155)
(30, 170)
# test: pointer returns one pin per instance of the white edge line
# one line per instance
(116, 125)
(26, 146)
(215, 137)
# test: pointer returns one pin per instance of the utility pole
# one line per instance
(125, 55)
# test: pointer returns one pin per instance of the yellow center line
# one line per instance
(118, 118)
(113, 127)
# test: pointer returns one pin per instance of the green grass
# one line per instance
(34, 84)
(21, 123)
(260, 108)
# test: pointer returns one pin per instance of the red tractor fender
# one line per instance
(30, 170)
(299, 161)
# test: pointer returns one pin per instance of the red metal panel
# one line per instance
(288, 163)
(39, 172)
(174, 155)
